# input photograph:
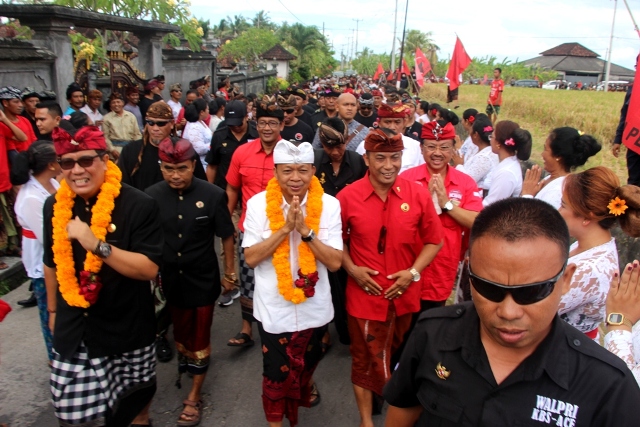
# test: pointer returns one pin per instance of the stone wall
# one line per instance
(252, 82)
(22, 65)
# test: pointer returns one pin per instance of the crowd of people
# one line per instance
(335, 201)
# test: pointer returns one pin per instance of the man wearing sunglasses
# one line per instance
(327, 108)
(295, 130)
(366, 112)
(103, 323)
(393, 233)
(347, 109)
(193, 213)
(507, 359)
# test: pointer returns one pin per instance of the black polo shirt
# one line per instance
(414, 131)
(298, 133)
(319, 117)
(367, 121)
(149, 171)
(190, 220)
(33, 124)
(305, 117)
(352, 169)
(123, 319)
(223, 145)
(569, 380)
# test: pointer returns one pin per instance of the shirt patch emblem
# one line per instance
(455, 194)
(404, 207)
(224, 144)
(199, 204)
(322, 180)
(555, 412)
(111, 228)
(298, 137)
(442, 372)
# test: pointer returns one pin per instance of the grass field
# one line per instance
(540, 111)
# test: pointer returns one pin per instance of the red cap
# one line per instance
(436, 132)
(175, 152)
(86, 138)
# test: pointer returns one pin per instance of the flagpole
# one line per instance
(635, 26)
(393, 42)
(613, 24)
(404, 30)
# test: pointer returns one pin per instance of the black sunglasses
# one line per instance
(84, 162)
(366, 107)
(522, 294)
(382, 239)
(159, 123)
(289, 111)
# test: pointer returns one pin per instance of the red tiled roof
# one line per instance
(570, 49)
(279, 53)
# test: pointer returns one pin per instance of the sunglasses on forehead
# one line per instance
(522, 294)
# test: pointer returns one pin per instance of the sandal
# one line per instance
(314, 396)
(187, 419)
(325, 346)
(246, 340)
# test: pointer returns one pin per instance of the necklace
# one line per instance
(304, 286)
(85, 293)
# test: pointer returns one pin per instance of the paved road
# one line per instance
(232, 392)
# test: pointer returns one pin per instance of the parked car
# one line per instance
(527, 83)
(554, 84)
(614, 85)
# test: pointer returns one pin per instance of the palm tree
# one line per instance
(262, 20)
(221, 30)
(304, 39)
(237, 25)
(415, 39)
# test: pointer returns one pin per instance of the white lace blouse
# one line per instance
(583, 307)
(479, 167)
(626, 345)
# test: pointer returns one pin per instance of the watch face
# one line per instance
(615, 319)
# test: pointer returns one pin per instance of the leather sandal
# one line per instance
(187, 419)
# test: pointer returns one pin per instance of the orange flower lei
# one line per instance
(100, 219)
(306, 260)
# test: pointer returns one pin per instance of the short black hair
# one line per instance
(54, 108)
(520, 218)
(499, 69)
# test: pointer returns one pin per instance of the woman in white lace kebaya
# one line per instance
(196, 130)
(592, 203)
(623, 305)
(564, 150)
(479, 165)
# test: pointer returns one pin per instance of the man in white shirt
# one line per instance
(392, 116)
(92, 107)
(175, 91)
(292, 310)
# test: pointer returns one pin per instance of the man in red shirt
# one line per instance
(458, 203)
(382, 216)
(17, 130)
(495, 95)
(249, 173)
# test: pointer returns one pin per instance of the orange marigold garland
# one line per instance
(85, 293)
(303, 288)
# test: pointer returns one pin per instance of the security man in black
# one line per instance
(507, 359)
(330, 107)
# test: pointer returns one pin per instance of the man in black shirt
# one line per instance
(151, 93)
(103, 370)
(295, 130)
(193, 213)
(30, 98)
(300, 97)
(234, 131)
(330, 97)
(507, 359)
(366, 113)
(48, 115)
(337, 167)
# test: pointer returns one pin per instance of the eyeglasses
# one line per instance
(84, 162)
(366, 107)
(443, 148)
(170, 170)
(522, 294)
(160, 123)
(271, 125)
(289, 111)
(382, 240)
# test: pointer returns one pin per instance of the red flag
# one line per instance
(631, 133)
(422, 67)
(459, 62)
(379, 71)
(405, 67)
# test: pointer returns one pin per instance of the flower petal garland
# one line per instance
(617, 206)
(73, 293)
(306, 259)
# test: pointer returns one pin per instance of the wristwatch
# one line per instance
(415, 274)
(617, 319)
(102, 250)
(310, 237)
(447, 206)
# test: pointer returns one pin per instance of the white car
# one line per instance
(553, 84)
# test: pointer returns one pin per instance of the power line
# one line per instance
(293, 14)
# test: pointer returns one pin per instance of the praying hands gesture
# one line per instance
(531, 185)
(295, 219)
(436, 185)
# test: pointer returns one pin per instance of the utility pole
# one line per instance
(357, 21)
(613, 24)
(393, 44)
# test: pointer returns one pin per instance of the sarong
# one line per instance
(192, 333)
(289, 360)
(372, 344)
(247, 283)
(92, 391)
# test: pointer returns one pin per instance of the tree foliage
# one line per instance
(249, 45)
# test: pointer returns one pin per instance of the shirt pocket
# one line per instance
(439, 410)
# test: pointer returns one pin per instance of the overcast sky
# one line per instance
(514, 29)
